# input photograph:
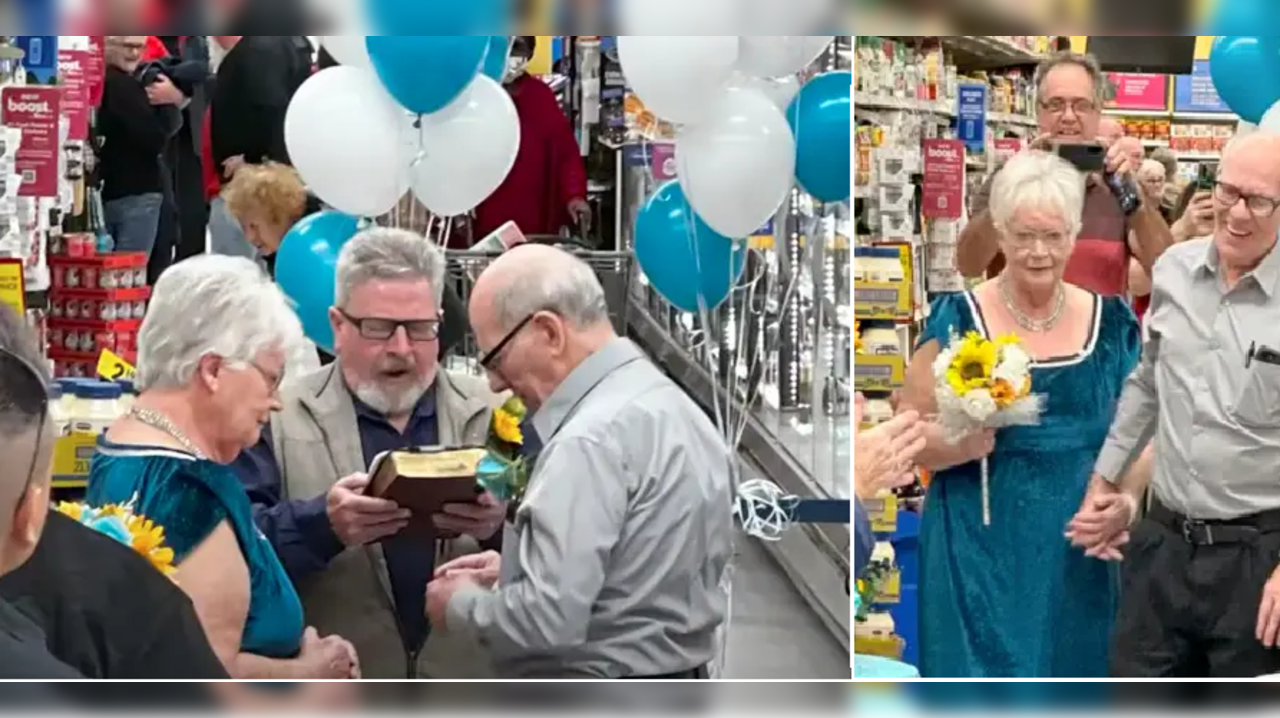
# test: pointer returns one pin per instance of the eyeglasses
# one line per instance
(491, 356)
(1025, 241)
(1058, 106)
(27, 394)
(381, 330)
(272, 380)
(1261, 207)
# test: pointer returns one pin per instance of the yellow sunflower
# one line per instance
(506, 426)
(972, 364)
(75, 512)
(148, 540)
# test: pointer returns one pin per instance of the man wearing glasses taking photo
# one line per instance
(385, 391)
(1070, 89)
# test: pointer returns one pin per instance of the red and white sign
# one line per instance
(1006, 147)
(1139, 91)
(73, 71)
(943, 179)
(35, 111)
(96, 69)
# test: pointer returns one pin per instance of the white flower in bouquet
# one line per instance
(979, 405)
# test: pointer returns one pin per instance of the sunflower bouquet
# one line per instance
(984, 384)
(504, 471)
(122, 524)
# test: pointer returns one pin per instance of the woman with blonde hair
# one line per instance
(268, 199)
(212, 353)
(1014, 599)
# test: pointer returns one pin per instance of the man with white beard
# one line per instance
(385, 391)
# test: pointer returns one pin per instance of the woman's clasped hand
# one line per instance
(328, 658)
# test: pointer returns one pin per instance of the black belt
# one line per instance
(1207, 533)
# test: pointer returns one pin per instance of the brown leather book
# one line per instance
(424, 480)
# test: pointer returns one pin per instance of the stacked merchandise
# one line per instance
(96, 305)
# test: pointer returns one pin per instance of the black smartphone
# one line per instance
(1086, 157)
(1206, 176)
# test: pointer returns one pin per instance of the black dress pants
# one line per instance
(1190, 596)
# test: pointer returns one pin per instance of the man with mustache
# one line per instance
(385, 391)
(1069, 95)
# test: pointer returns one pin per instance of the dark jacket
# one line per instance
(107, 611)
(131, 134)
(255, 84)
(23, 654)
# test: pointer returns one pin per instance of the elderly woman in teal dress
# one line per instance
(1014, 599)
(211, 353)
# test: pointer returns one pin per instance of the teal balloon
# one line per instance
(307, 269)
(1244, 16)
(457, 17)
(1246, 73)
(682, 257)
(495, 59)
(427, 72)
(821, 117)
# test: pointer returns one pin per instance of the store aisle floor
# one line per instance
(774, 633)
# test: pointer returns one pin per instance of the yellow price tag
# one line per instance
(113, 368)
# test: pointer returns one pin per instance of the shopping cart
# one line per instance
(615, 270)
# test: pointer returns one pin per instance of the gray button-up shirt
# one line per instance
(1214, 413)
(613, 565)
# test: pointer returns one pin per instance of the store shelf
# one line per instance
(942, 108)
(1191, 116)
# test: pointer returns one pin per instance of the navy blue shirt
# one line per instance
(305, 540)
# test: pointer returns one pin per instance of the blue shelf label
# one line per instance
(971, 116)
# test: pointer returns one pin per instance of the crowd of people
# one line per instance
(288, 567)
(1135, 529)
(184, 116)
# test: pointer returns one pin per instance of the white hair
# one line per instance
(212, 304)
(387, 253)
(1038, 180)
(569, 289)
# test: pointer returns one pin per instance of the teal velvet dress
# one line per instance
(190, 497)
(1015, 599)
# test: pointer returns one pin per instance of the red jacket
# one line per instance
(548, 172)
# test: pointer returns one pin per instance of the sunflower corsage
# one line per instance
(984, 384)
(122, 524)
(504, 471)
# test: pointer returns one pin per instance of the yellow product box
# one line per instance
(883, 513)
(879, 372)
(891, 591)
(71, 458)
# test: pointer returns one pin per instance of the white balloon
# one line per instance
(781, 90)
(654, 17)
(779, 55)
(343, 132)
(349, 50)
(678, 76)
(1244, 127)
(467, 149)
(737, 167)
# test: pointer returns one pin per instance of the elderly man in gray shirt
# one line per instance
(612, 565)
(1201, 589)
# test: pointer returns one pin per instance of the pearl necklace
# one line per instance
(1032, 324)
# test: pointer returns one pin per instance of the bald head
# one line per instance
(1110, 129)
(533, 278)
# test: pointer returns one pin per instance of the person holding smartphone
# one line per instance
(1070, 90)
